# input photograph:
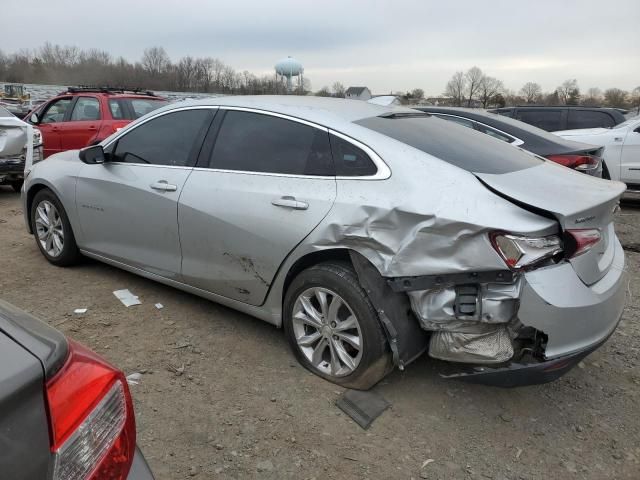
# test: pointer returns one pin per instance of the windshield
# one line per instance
(465, 148)
(629, 122)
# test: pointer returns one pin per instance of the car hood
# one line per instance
(582, 132)
(577, 201)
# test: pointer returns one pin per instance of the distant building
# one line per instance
(358, 93)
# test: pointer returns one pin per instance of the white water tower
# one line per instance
(288, 68)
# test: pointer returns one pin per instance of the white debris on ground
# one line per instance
(159, 306)
(134, 378)
(127, 298)
(80, 311)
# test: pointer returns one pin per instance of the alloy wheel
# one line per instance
(327, 331)
(49, 228)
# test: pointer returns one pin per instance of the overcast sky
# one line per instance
(383, 44)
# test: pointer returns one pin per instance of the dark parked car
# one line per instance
(579, 156)
(66, 413)
(564, 117)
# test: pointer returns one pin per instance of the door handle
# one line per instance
(163, 186)
(289, 202)
(92, 127)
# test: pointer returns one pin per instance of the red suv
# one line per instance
(85, 116)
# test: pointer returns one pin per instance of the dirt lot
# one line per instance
(243, 407)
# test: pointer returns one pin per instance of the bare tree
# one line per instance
(615, 97)
(323, 92)
(489, 88)
(531, 92)
(155, 61)
(417, 95)
(473, 78)
(635, 99)
(455, 88)
(338, 90)
(593, 97)
(568, 91)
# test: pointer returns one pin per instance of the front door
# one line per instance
(267, 183)
(128, 206)
(630, 158)
(53, 117)
(83, 125)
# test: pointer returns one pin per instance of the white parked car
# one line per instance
(621, 151)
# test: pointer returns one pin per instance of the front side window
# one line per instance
(549, 120)
(254, 142)
(86, 109)
(167, 140)
(56, 110)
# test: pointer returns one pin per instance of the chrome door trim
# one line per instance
(516, 143)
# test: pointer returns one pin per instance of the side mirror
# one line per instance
(92, 155)
(34, 118)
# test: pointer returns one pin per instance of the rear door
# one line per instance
(260, 189)
(128, 206)
(550, 120)
(83, 125)
(53, 117)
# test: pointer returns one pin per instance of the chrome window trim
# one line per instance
(383, 170)
(516, 141)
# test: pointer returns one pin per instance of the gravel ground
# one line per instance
(222, 397)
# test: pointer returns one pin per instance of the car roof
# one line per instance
(320, 110)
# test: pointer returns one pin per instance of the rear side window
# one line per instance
(350, 160)
(549, 120)
(253, 142)
(494, 133)
(589, 119)
(86, 109)
(453, 144)
(166, 140)
(460, 121)
(142, 106)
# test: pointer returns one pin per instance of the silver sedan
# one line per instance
(372, 234)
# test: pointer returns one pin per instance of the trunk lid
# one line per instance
(577, 201)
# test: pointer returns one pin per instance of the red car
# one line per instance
(85, 116)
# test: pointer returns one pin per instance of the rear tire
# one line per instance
(52, 230)
(333, 329)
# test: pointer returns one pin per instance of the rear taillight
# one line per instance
(581, 240)
(521, 252)
(91, 419)
(577, 162)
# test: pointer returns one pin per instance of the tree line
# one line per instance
(475, 89)
(69, 65)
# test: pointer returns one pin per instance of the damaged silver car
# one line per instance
(19, 141)
(372, 234)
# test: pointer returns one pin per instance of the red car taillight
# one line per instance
(92, 425)
(577, 162)
(521, 252)
(581, 240)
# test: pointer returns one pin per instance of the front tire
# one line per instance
(52, 230)
(333, 329)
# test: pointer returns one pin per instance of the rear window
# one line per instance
(457, 145)
(141, 106)
(589, 119)
(549, 120)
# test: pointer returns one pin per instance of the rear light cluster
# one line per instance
(521, 252)
(581, 163)
(91, 419)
